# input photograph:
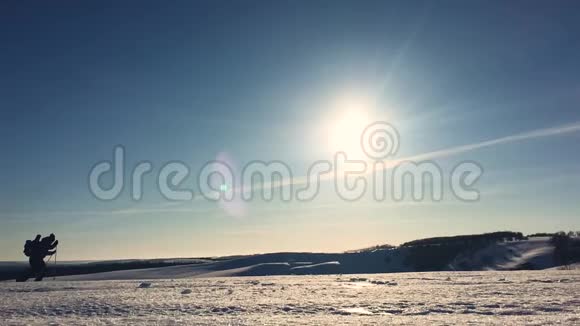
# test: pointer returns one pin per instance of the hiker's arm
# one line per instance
(53, 245)
(50, 253)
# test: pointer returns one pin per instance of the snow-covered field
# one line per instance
(437, 298)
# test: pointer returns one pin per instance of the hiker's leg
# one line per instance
(40, 271)
(34, 266)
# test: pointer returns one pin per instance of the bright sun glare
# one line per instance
(351, 116)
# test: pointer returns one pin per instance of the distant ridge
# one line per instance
(505, 250)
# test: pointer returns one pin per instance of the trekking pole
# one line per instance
(54, 275)
(47, 262)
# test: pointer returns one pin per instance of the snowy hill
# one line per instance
(423, 255)
(534, 254)
(526, 254)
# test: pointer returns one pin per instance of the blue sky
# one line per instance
(188, 80)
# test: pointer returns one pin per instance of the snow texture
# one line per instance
(436, 298)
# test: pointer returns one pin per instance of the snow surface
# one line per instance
(436, 298)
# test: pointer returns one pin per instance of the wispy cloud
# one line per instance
(457, 150)
(161, 208)
(538, 133)
(181, 207)
(442, 153)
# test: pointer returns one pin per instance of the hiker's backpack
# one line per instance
(28, 248)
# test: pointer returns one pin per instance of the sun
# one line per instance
(345, 126)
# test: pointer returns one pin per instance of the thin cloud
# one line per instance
(539, 133)
(451, 151)
(175, 207)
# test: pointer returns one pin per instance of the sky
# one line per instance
(491, 82)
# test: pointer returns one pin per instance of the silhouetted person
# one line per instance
(37, 250)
